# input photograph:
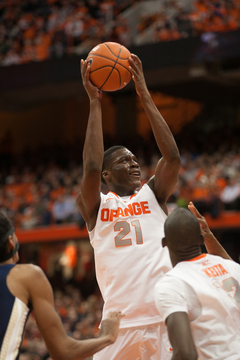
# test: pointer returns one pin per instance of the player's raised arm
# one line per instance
(61, 346)
(166, 172)
(89, 198)
(212, 245)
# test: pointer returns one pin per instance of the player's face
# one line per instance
(124, 172)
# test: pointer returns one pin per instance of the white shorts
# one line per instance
(149, 342)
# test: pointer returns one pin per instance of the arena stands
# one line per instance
(41, 29)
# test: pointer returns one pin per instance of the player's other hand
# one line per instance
(137, 74)
(202, 221)
(91, 90)
(110, 326)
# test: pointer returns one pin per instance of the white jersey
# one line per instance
(129, 257)
(207, 288)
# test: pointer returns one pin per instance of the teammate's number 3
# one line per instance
(123, 228)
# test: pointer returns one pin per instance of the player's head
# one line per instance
(108, 154)
(182, 234)
(120, 170)
(8, 240)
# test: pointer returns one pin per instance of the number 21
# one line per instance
(124, 229)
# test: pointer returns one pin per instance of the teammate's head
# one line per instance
(108, 154)
(182, 234)
(6, 230)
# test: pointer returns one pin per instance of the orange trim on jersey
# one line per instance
(132, 196)
(198, 257)
(119, 196)
(113, 193)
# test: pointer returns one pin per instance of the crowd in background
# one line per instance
(36, 192)
(35, 30)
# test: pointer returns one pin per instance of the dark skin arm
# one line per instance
(212, 244)
(180, 336)
(166, 173)
(29, 284)
(88, 199)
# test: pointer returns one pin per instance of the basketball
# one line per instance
(109, 69)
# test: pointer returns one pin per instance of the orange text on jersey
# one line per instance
(136, 208)
(216, 270)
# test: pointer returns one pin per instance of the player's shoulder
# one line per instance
(29, 271)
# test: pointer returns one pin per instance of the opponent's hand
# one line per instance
(91, 90)
(202, 221)
(137, 74)
(110, 326)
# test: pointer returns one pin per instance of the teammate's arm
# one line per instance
(89, 197)
(212, 245)
(180, 336)
(61, 346)
(167, 169)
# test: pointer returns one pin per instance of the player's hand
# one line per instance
(202, 221)
(91, 90)
(137, 74)
(110, 326)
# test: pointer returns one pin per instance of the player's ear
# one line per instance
(105, 175)
(164, 242)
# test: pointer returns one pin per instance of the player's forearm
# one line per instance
(161, 131)
(83, 349)
(214, 247)
(93, 145)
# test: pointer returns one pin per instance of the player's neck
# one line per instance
(122, 191)
(185, 256)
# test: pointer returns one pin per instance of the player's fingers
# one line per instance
(114, 314)
(193, 209)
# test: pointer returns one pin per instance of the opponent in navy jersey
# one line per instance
(23, 287)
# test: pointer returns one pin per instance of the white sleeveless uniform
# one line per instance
(207, 288)
(129, 256)
(129, 259)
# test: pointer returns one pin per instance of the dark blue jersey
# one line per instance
(13, 317)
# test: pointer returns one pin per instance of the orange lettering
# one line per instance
(145, 208)
(216, 270)
(120, 212)
(137, 208)
(105, 214)
(128, 210)
(221, 268)
(113, 213)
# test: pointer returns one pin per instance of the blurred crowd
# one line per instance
(80, 318)
(36, 193)
(35, 30)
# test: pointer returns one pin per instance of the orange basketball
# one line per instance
(109, 69)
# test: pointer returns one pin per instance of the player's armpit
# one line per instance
(180, 336)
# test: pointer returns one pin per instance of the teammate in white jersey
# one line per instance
(24, 288)
(199, 299)
(124, 225)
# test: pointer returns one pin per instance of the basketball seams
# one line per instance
(118, 56)
(114, 67)
(104, 57)
(104, 61)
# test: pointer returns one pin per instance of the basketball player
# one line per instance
(199, 299)
(124, 227)
(24, 288)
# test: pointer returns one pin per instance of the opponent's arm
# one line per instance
(180, 337)
(89, 197)
(61, 346)
(212, 244)
(167, 169)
